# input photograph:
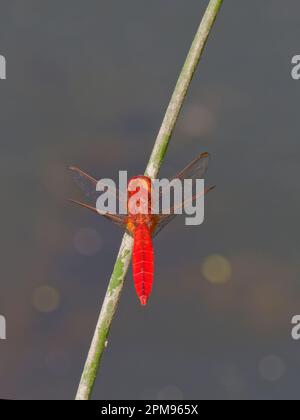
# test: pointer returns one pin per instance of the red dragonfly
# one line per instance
(143, 226)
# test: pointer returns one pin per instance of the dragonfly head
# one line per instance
(139, 195)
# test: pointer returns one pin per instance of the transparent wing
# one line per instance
(112, 217)
(163, 220)
(87, 184)
(196, 169)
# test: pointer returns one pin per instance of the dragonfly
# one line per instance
(142, 225)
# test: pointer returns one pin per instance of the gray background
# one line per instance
(88, 84)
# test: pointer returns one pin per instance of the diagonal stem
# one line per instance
(116, 282)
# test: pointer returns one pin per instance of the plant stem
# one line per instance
(116, 282)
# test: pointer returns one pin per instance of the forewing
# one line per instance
(195, 169)
(85, 182)
(164, 219)
(88, 185)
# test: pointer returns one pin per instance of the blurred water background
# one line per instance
(88, 83)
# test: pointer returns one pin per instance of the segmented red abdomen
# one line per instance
(143, 262)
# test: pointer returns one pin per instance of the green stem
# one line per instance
(116, 282)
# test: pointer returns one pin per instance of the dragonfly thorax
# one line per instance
(139, 196)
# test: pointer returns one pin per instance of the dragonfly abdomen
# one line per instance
(143, 262)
